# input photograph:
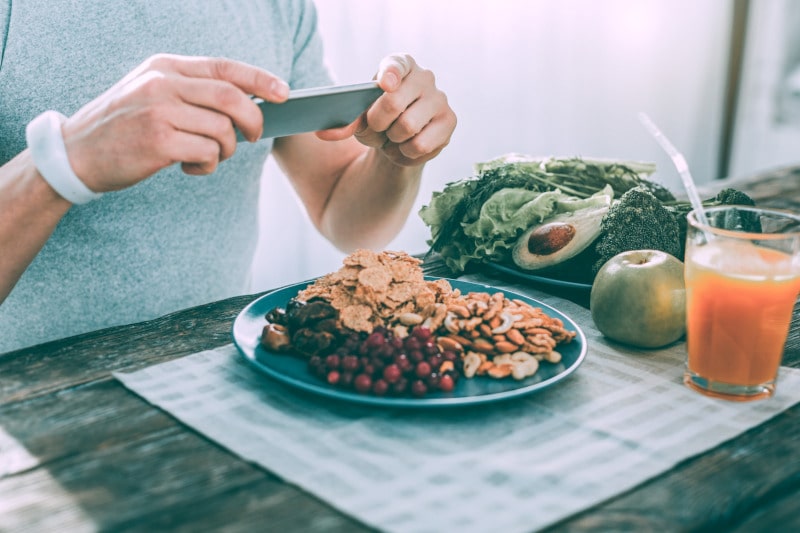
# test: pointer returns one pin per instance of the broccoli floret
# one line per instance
(726, 196)
(731, 196)
(659, 191)
(737, 220)
(637, 221)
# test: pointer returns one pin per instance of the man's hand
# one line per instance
(171, 109)
(411, 122)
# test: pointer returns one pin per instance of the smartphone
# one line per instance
(318, 108)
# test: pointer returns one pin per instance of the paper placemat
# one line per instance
(519, 465)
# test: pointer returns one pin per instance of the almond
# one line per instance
(506, 347)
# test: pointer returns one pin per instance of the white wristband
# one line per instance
(49, 154)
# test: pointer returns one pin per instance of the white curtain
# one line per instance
(539, 77)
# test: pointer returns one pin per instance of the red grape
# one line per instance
(430, 347)
(418, 388)
(375, 340)
(350, 362)
(446, 383)
(423, 369)
(416, 356)
(392, 373)
(381, 363)
(422, 333)
(362, 383)
(412, 343)
(332, 361)
(380, 387)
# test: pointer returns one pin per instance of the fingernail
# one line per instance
(390, 78)
(280, 88)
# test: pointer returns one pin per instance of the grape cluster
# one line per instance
(386, 365)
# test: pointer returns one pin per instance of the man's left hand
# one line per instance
(411, 122)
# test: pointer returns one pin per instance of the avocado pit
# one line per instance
(550, 238)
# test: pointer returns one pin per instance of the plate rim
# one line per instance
(544, 280)
(325, 390)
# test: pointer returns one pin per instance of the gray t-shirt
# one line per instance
(172, 241)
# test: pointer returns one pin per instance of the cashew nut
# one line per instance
(460, 310)
(524, 370)
(502, 359)
(552, 357)
(451, 323)
(522, 357)
(507, 320)
(471, 363)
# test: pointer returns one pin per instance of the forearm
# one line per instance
(370, 202)
(29, 212)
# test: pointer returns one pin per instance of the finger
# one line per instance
(225, 98)
(429, 142)
(386, 109)
(196, 153)
(395, 154)
(371, 138)
(392, 69)
(198, 169)
(209, 123)
(338, 134)
(248, 78)
(413, 119)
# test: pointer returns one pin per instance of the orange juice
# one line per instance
(740, 298)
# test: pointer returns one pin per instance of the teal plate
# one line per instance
(292, 371)
(542, 280)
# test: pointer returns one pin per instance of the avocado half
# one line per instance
(558, 239)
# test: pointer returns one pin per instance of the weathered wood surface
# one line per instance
(78, 452)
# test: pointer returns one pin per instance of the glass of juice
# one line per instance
(742, 273)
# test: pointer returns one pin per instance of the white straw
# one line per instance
(680, 163)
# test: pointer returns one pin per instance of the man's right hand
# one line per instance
(170, 109)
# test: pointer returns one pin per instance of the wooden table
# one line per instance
(80, 452)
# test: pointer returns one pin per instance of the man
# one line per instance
(176, 222)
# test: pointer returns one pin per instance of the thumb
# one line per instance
(392, 69)
(337, 134)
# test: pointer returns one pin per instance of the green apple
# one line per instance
(639, 298)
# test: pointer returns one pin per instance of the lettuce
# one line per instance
(501, 220)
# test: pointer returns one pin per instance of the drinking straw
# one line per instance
(681, 165)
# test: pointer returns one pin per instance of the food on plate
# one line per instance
(378, 326)
(486, 217)
(639, 298)
(499, 336)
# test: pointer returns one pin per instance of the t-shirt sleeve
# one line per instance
(308, 68)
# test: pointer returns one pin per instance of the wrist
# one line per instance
(49, 155)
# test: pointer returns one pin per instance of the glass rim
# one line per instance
(691, 218)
